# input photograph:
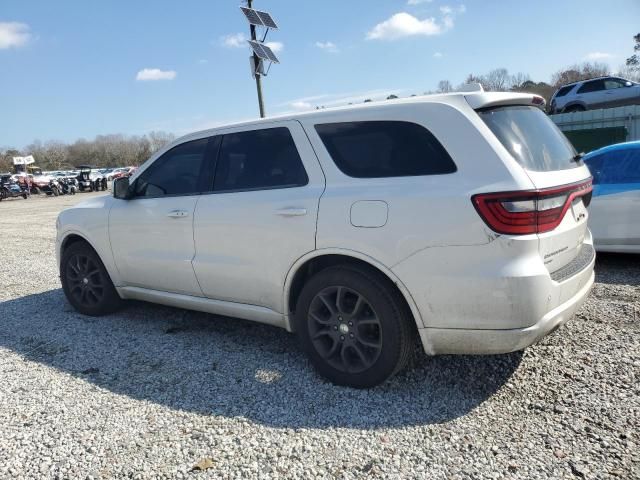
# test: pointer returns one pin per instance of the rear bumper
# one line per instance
(466, 341)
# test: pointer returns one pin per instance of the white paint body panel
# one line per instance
(470, 290)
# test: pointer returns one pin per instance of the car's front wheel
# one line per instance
(354, 326)
(86, 283)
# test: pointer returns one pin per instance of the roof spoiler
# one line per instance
(500, 99)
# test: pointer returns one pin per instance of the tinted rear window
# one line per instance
(564, 90)
(531, 138)
(379, 149)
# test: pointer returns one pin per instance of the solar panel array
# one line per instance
(267, 20)
(264, 52)
(256, 17)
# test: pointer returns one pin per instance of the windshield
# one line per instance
(531, 138)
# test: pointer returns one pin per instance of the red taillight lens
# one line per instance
(531, 211)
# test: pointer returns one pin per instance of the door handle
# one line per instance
(178, 214)
(291, 212)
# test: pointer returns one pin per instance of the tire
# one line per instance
(24, 195)
(363, 342)
(86, 283)
(55, 191)
(575, 108)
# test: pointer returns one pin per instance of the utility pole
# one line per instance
(256, 62)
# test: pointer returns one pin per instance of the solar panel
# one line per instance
(264, 52)
(252, 16)
(267, 19)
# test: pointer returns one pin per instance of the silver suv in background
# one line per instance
(603, 92)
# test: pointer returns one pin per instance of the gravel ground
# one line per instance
(153, 391)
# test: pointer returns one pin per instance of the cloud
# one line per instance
(405, 25)
(594, 56)
(327, 46)
(418, 2)
(234, 40)
(150, 74)
(275, 46)
(301, 105)
(14, 35)
(203, 61)
(437, 55)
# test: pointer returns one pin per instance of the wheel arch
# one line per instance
(574, 104)
(73, 236)
(317, 260)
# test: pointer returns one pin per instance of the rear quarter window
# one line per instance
(378, 149)
(531, 138)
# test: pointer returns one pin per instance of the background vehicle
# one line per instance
(603, 92)
(84, 179)
(460, 218)
(9, 188)
(615, 209)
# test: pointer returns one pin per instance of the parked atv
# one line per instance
(68, 185)
(85, 182)
(9, 188)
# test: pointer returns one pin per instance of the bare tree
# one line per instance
(497, 80)
(518, 80)
(444, 86)
(629, 73)
(576, 73)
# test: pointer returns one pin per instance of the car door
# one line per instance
(616, 93)
(151, 233)
(592, 93)
(260, 217)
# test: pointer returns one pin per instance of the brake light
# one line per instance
(529, 211)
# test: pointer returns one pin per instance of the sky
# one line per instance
(76, 69)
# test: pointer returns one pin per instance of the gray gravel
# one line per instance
(152, 391)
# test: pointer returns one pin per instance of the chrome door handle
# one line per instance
(178, 214)
(291, 212)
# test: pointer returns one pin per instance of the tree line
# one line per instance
(103, 151)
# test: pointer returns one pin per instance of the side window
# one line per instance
(376, 149)
(612, 83)
(593, 86)
(177, 172)
(259, 159)
(564, 90)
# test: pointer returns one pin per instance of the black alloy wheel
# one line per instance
(354, 325)
(345, 329)
(86, 282)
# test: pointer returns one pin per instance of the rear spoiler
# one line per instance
(481, 100)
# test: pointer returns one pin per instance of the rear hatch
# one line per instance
(558, 203)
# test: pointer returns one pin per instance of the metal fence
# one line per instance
(597, 128)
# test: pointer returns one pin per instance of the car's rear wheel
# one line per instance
(575, 108)
(354, 326)
(86, 283)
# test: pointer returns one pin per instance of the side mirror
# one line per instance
(121, 188)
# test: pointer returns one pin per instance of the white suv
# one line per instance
(603, 92)
(458, 218)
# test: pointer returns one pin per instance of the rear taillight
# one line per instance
(529, 211)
